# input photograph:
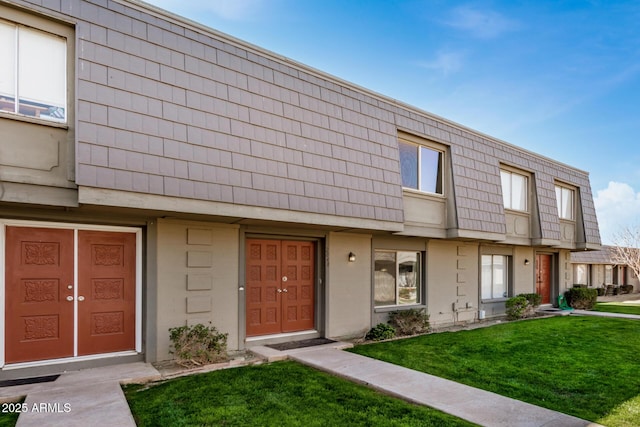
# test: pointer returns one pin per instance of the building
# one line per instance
(155, 173)
(598, 269)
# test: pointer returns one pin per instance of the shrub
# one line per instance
(516, 307)
(581, 298)
(410, 322)
(382, 331)
(197, 345)
(533, 299)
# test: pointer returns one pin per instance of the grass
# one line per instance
(282, 394)
(583, 366)
(618, 307)
(9, 419)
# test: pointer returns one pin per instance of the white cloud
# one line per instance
(236, 10)
(617, 206)
(481, 24)
(444, 62)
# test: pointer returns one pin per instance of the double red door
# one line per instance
(46, 317)
(280, 278)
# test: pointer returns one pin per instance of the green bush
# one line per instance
(382, 331)
(197, 345)
(581, 298)
(533, 299)
(410, 322)
(516, 307)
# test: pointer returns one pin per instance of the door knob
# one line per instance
(279, 291)
(80, 298)
(69, 298)
(284, 278)
(284, 290)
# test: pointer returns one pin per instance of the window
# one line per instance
(33, 75)
(495, 276)
(421, 167)
(581, 274)
(397, 278)
(514, 190)
(564, 199)
(608, 274)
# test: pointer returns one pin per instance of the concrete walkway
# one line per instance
(469, 403)
(94, 397)
(90, 397)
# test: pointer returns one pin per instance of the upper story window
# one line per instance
(421, 167)
(397, 278)
(564, 199)
(33, 75)
(514, 190)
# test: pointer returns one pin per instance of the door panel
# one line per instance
(38, 281)
(543, 277)
(280, 278)
(106, 292)
(298, 301)
(263, 305)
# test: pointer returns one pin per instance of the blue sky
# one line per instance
(560, 78)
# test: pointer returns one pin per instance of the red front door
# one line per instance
(106, 292)
(280, 277)
(543, 277)
(38, 294)
(41, 299)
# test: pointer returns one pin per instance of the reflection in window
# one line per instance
(514, 190)
(421, 167)
(397, 277)
(564, 200)
(581, 274)
(495, 276)
(33, 74)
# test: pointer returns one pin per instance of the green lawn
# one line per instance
(618, 307)
(583, 366)
(9, 419)
(276, 394)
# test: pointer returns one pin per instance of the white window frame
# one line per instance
(506, 277)
(419, 280)
(507, 175)
(561, 199)
(439, 177)
(50, 107)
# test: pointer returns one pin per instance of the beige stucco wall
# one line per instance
(523, 274)
(452, 282)
(197, 279)
(348, 285)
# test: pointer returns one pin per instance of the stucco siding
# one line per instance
(197, 280)
(452, 282)
(348, 285)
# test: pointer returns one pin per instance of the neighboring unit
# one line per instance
(599, 269)
(155, 173)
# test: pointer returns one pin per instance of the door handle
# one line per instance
(284, 290)
(279, 291)
(80, 298)
(69, 298)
